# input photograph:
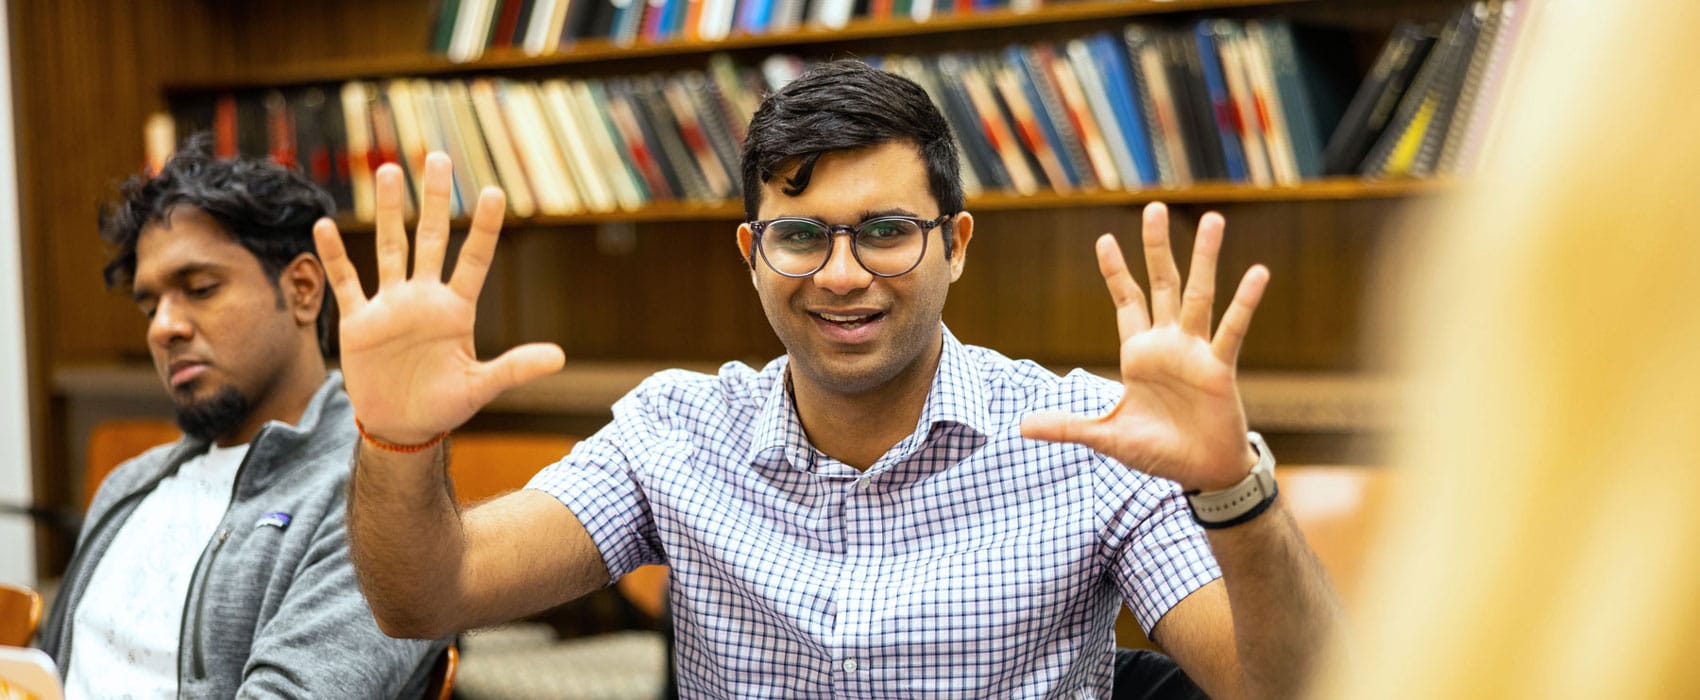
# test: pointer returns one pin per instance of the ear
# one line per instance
(303, 285)
(746, 248)
(961, 231)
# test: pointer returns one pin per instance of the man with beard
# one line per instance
(882, 512)
(217, 566)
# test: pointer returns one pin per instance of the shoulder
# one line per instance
(676, 394)
(1015, 388)
(132, 474)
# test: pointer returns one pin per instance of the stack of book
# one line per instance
(464, 29)
(558, 147)
(1254, 101)
(1425, 107)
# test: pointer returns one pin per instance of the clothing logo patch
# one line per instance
(277, 520)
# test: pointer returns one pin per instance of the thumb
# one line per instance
(1057, 426)
(518, 366)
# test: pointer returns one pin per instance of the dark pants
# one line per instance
(1142, 674)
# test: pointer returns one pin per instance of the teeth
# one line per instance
(835, 318)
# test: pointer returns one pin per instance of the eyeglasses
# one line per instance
(886, 246)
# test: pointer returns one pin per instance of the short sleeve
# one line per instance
(1160, 555)
(599, 481)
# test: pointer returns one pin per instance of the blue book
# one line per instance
(1111, 55)
(1221, 104)
(753, 15)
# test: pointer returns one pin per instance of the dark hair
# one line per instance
(843, 105)
(269, 209)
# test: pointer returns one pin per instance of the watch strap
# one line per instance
(1243, 501)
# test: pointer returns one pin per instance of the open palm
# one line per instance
(407, 355)
(1180, 416)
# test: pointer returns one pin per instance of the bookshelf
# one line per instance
(88, 73)
(606, 51)
(1331, 189)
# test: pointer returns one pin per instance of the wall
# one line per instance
(17, 537)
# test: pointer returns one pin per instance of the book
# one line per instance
(1084, 65)
(607, 145)
(1119, 89)
(1054, 119)
(643, 155)
(1169, 140)
(913, 69)
(1426, 103)
(1246, 117)
(552, 185)
(1040, 141)
(694, 133)
(960, 112)
(1271, 110)
(1372, 106)
(998, 134)
(358, 127)
(500, 145)
(1222, 106)
(432, 134)
(1080, 115)
(559, 109)
(1475, 76)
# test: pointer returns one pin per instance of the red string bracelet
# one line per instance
(392, 447)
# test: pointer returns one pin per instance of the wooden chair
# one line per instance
(485, 465)
(114, 441)
(443, 675)
(20, 612)
(1336, 507)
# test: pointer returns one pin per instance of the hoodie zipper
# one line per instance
(204, 567)
(199, 658)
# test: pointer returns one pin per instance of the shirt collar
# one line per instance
(957, 397)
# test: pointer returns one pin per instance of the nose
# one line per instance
(171, 323)
(843, 274)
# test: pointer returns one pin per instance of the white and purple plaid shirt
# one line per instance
(967, 562)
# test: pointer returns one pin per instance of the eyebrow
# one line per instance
(140, 293)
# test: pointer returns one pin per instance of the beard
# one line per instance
(214, 416)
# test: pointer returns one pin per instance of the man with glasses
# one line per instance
(882, 512)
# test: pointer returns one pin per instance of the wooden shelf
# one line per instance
(603, 50)
(1276, 402)
(1332, 189)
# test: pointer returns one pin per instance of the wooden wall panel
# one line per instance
(85, 73)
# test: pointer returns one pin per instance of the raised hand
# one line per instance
(1180, 417)
(407, 356)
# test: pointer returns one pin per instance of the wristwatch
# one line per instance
(1243, 501)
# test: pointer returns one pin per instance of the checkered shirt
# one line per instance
(967, 562)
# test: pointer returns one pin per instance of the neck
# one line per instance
(857, 429)
(285, 400)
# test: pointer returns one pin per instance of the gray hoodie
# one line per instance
(273, 609)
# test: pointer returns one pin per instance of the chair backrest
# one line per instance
(483, 465)
(114, 441)
(1337, 508)
(20, 612)
(442, 683)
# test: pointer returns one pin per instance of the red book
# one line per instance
(224, 126)
(507, 22)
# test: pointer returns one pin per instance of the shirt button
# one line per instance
(849, 665)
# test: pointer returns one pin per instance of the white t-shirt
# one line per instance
(126, 628)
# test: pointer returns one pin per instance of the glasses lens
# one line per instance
(795, 246)
(890, 246)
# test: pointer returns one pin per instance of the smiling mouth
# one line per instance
(848, 322)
